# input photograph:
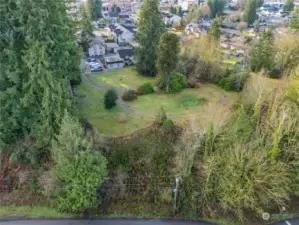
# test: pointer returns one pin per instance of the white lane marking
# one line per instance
(288, 223)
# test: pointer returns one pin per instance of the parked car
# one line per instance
(92, 60)
(97, 69)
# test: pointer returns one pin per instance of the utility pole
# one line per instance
(176, 191)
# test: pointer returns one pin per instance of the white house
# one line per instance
(97, 47)
(186, 4)
(114, 62)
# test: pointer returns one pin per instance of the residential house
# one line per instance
(97, 47)
(186, 4)
(114, 62)
(111, 47)
(174, 20)
(122, 17)
(110, 16)
(107, 6)
(127, 54)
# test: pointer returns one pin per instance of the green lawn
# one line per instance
(182, 105)
(32, 212)
(90, 102)
(126, 78)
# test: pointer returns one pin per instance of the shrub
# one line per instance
(236, 80)
(79, 170)
(129, 95)
(177, 83)
(161, 117)
(110, 99)
(168, 124)
(146, 88)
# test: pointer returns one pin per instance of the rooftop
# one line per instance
(113, 59)
(111, 45)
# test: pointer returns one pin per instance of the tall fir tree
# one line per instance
(288, 6)
(168, 56)
(39, 57)
(214, 30)
(263, 53)
(94, 9)
(12, 75)
(250, 12)
(294, 23)
(149, 30)
(216, 7)
(97, 9)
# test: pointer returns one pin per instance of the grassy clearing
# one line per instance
(90, 102)
(32, 212)
(182, 105)
(125, 78)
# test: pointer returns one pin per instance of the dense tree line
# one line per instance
(38, 57)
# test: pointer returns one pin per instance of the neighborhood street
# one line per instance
(104, 222)
(122, 222)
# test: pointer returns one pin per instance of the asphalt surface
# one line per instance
(103, 222)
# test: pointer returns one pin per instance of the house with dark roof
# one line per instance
(125, 53)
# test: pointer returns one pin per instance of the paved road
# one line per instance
(121, 222)
(102, 222)
(294, 221)
(102, 87)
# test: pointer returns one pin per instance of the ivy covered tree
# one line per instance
(149, 30)
(214, 30)
(94, 9)
(168, 56)
(79, 170)
(250, 12)
(294, 23)
(216, 7)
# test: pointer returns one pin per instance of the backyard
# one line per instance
(180, 107)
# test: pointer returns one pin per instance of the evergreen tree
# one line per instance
(97, 9)
(89, 9)
(214, 30)
(259, 3)
(216, 7)
(86, 28)
(250, 12)
(12, 74)
(150, 28)
(79, 170)
(294, 23)
(288, 6)
(168, 56)
(38, 59)
(263, 52)
(110, 99)
(179, 11)
(115, 9)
